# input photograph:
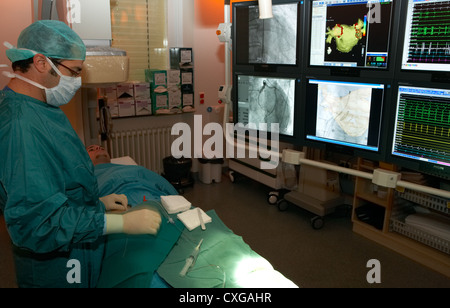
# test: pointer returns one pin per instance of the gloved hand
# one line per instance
(115, 202)
(143, 220)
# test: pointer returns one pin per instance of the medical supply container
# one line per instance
(210, 170)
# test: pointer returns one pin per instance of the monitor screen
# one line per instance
(426, 44)
(266, 41)
(349, 33)
(345, 114)
(266, 100)
(422, 129)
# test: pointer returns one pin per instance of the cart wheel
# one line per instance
(283, 205)
(317, 222)
(272, 198)
(231, 175)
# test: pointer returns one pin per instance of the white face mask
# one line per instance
(58, 95)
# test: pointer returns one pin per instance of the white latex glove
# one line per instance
(142, 220)
(115, 202)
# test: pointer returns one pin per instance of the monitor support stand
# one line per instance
(318, 192)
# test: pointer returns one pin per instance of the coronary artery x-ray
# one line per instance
(274, 40)
(267, 100)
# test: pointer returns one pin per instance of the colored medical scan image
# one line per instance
(343, 113)
(274, 40)
(346, 34)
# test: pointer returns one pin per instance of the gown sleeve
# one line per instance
(51, 191)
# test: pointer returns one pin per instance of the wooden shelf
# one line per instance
(429, 257)
(373, 198)
(367, 193)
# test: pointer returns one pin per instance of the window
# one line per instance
(140, 28)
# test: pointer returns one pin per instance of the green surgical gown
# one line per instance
(49, 196)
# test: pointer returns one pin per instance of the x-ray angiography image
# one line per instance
(274, 40)
(343, 113)
(267, 100)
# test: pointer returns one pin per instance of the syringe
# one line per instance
(190, 261)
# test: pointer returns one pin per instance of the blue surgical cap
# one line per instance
(52, 38)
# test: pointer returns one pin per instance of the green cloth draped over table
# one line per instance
(225, 260)
(131, 260)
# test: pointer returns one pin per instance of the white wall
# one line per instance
(192, 23)
(14, 17)
(199, 20)
(209, 54)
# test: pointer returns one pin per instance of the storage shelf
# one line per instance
(366, 225)
(420, 236)
(432, 202)
(373, 198)
(412, 249)
(424, 248)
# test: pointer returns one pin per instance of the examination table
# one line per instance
(142, 261)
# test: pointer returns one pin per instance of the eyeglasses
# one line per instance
(92, 148)
(72, 72)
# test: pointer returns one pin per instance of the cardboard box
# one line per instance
(156, 78)
(175, 101)
(141, 90)
(143, 107)
(160, 103)
(125, 90)
(111, 93)
(113, 108)
(181, 57)
(188, 99)
(126, 107)
(187, 77)
(173, 78)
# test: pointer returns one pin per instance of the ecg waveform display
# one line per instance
(423, 128)
(430, 33)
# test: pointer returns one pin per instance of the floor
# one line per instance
(332, 257)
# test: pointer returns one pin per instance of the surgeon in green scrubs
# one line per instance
(48, 191)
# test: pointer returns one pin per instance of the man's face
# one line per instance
(70, 68)
(98, 154)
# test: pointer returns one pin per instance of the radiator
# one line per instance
(147, 147)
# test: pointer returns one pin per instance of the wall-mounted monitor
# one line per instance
(427, 36)
(347, 36)
(421, 130)
(346, 116)
(267, 44)
(262, 100)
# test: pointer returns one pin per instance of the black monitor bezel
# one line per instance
(269, 68)
(296, 137)
(405, 162)
(415, 75)
(380, 154)
(365, 72)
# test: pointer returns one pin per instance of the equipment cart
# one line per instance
(318, 192)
